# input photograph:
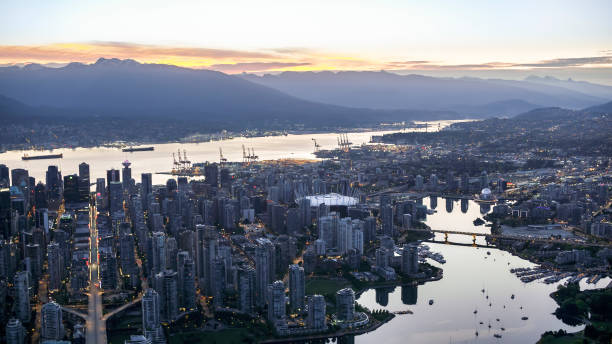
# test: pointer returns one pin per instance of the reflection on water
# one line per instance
(460, 307)
(433, 202)
(464, 205)
(409, 294)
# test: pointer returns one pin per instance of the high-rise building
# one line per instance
(34, 253)
(418, 182)
(345, 235)
(22, 296)
(115, 197)
(41, 196)
(382, 257)
(305, 212)
(211, 174)
(20, 177)
(151, 317)
(369, 229)
(15, 333)
(246, 289)
(345, 304)
(386, 217)
(150, 310)
(316, 312)
(186, 280)
(410, 259)
(71, 189)
(108, 270)
(84, 181)
(294, 221)
(51, 321)
(296, 287)
(146, 184)
(55, 261)
(54, 182)
(5, 178)
(126, 175)
(262, 266)
(166, 285)
(158, 261)
(276, 301)
(112, 175)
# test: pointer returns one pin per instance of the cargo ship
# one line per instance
(138, 149)
(40, 157)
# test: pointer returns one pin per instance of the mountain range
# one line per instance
(468, 96)
(128, 89)
(131, 90)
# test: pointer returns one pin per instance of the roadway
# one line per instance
(96, 326)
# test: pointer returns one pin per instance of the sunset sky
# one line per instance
(563, 38)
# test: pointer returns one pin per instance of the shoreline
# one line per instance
(237, 135)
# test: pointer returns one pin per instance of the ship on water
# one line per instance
(40, 157)
(138, 149)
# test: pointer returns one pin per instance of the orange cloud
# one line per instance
(237, 61)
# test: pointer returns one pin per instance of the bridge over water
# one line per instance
(509, 237)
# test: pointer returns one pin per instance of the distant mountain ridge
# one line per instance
(128, 89)
(383, 90)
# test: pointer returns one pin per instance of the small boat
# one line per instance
(489, 325)
(475, 311)
(497, 335)
(524, 318)
(512, 297)
(481, 323)
(476, 333)
(431, 302)
(497, 319)
(503, 329)
(488, 253)
(483, 291)
(490, 304)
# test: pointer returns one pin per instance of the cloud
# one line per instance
(552, 63)
(255, 66)
(569, 62)
(284, 58)
(91, 51)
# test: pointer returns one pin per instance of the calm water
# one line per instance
(451, 318)
(267, 148)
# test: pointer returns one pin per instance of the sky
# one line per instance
(510, 38)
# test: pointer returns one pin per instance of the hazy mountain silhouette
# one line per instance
(602, 91)
(555, 113)
(383, 90)
(128, 89)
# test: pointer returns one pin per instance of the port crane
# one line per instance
(222, 159)
(343, 142)
(248, 155)
(253, 156)
(316, 145)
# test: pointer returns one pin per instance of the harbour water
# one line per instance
(467, 271)
(100, 159)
